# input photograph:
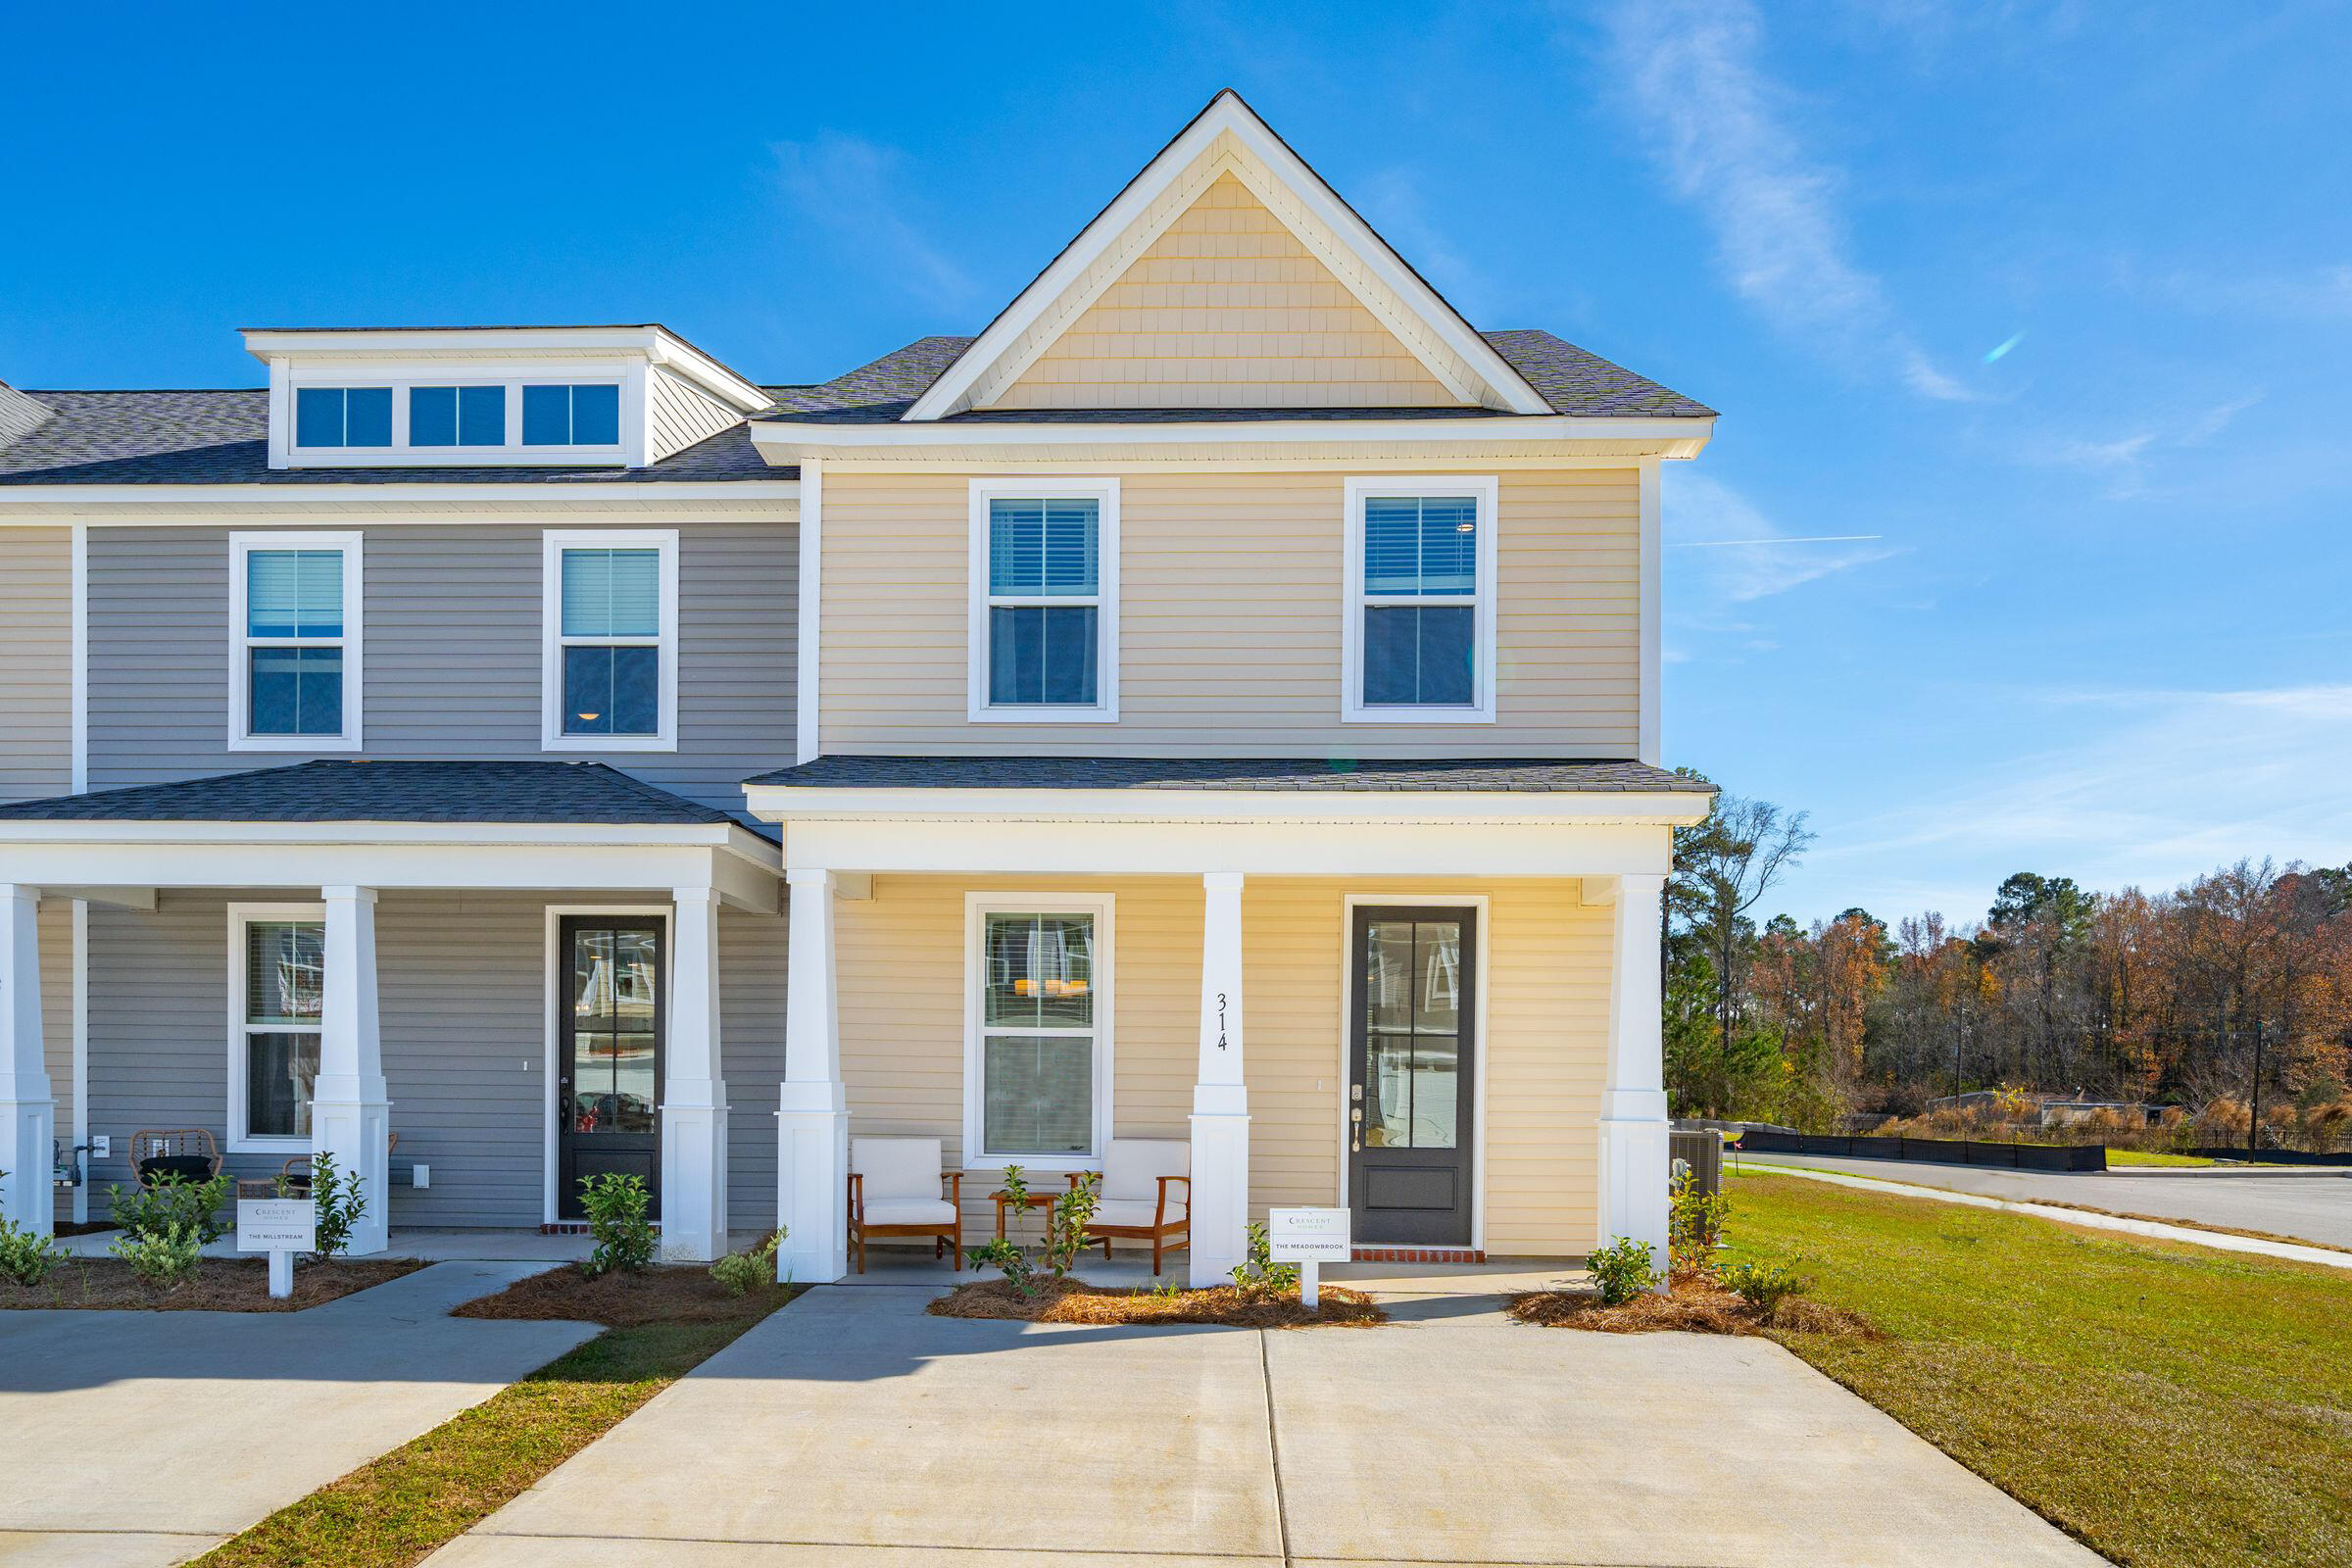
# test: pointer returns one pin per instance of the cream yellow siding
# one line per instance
(901, 976)
(36, 662)
(1230, 620)
(1226, 309)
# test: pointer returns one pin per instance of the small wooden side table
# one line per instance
(1036, 1200)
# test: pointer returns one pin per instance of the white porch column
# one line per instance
(1633, 1109)
(28, 1109)
(694, 1097)
(350, 1113)
(812, 1116)
(1220, 1187)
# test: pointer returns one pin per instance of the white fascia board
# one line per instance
(266, 343)
(674, 354)
(799, 805)
(781, 441)
(55, 497)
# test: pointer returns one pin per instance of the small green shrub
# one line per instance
(1695, 1223)
(1623, 1270)
(339, 1203)
(616, 1206)
(165, 1258)
(753, 1269)
(1065, 1224)
(1261, 1277)
(1006, 1255)
(173, 1202)
(26, 1256)
(1765, 1286)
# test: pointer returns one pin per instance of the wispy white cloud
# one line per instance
(855, 193)
(2123, 460)
(1761, 558)
(2311, 295)
(1718, 124)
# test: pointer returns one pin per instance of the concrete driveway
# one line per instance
(851, 1429)
(145, 1438)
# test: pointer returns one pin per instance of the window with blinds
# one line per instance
(1045, 584)
(1424, 605)
(1041, 1026)
(611, 640)
(282, 965)
(298, 646)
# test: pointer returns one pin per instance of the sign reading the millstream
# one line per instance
(278, 1225)
(1307, 1234)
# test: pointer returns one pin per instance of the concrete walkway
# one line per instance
(851, 1429)
(135, 1439)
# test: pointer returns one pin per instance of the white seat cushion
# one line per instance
(1138, 1210)
(1132, 1167)
(909, 1211)
(897, 1167)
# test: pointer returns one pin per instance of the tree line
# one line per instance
(2231, 990)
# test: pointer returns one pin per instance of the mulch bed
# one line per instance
(1076, 1301)
(1694, 1304)
(220, 1285)
(679, 1293)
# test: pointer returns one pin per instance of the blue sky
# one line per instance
(2097, 625)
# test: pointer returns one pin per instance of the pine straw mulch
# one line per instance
(1695, 1304)
(220, 1285)
(675, 1293)
(1076, 1301)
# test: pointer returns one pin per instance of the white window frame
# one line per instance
(1354, 601)
(400, 416)
(1104, 492)
(241, 642)
(515, 440)
(554, 542)
(241, 1139)
(977, 906)
(404, 453)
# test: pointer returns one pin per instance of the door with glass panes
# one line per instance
(1408, 1093)
(609, 1022)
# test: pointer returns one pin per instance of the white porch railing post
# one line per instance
(694, 1093)
(1632, 1112)
(812, 1116)
(1220, 1120)
(351, 1113)
(27, 1109)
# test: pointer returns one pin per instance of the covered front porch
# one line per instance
(1414, 993)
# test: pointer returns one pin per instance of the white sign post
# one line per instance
(280, 1227)
(1308, 1237)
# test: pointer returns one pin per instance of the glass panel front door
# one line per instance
(1409, 1090)
(610, 1022)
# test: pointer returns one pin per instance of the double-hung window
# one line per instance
(1036, 1065)
(294, 649)
(1044, 622)
(276, 988)
(1419, 636)
(611, 649)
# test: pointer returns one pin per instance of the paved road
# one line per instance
(853, 1431)
(138, 1438)
(2313, 1209)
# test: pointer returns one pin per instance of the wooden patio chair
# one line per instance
(1136, 1204)
(190, 1153)
(895, 1190)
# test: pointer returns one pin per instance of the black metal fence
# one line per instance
(1934, 1150)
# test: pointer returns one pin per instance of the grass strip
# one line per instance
(2169, 1405)
(2148, 1156)
(399, 1509)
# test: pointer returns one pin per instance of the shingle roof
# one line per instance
(1571, 379)
(386, 792)
(222, 437)
(1553, 776)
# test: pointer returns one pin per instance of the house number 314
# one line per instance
(1220, 1021)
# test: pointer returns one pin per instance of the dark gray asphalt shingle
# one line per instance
(386, 792)
(1553, 776)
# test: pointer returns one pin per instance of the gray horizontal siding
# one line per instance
(452, 654)
(751, 995)
(36, 662)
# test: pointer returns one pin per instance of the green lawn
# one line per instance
(2169, 1405)
(2143, 1156)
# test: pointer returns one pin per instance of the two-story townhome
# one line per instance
(1220, 702)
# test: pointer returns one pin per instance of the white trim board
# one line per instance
(1103, 907)
(808, 647)
(785, 442)
(551, 1153)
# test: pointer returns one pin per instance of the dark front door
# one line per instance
(609, 1027)
(1408, 1093)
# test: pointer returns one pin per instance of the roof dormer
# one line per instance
(471, 397)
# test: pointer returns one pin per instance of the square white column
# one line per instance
(27, 1109)
(812, 1116)
(1220, 1120)
(694, 1095)
(1632, 1112)
(351, 1113)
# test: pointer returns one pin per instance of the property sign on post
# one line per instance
(280, 1227)
(1308, 1237)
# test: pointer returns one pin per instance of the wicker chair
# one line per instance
(295, 1173)
(180, 1147)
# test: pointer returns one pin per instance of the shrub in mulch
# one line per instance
(1695, 1304)
(1076, 1301)
(220, 1285)
(681, 1293)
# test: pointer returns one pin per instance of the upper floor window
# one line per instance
(1045, 568)
(571, 416)
(343, 416)
(294, 677)
(457, 415)
(1419, 637)
(610, 680)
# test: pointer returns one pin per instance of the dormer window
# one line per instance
(343, 416)
(457, 415)
(571, 416)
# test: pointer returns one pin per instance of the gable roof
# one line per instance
(343, 791)
(1227, 136)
